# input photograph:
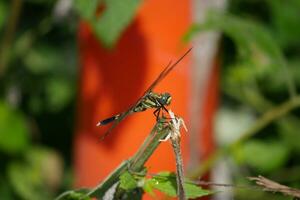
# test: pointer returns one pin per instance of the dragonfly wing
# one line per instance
(162, 75)
(116, 122)
(121, 117)
(166, 71)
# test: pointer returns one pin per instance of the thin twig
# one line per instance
(179, 169)
(174, 135)
(272, 186)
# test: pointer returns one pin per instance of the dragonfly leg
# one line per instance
(157, 113)
(163, 107)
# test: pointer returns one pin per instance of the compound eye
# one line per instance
(166, 99)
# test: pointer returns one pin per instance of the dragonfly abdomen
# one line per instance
(108, 120)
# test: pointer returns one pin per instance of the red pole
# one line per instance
(111, 80)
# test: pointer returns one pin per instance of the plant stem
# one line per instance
(134, 164)
(179, 168)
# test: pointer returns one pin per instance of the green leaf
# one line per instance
(263, 156)
(166, 183)
(113, 20)
(148, 187)
(79, 194)
(194, 191)
(14, 133)
(86, 9)
(127, 181)
(37, 176)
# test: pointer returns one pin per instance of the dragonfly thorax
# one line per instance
(153, 100)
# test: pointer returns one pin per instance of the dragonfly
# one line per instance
(149, 99)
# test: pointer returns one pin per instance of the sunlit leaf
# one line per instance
(127, 181)
(14, 133)
(166, 183)
(148, 187)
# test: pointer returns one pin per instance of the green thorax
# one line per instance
(153, 100)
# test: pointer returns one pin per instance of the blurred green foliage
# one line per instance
(37, 91)
(37, 176)
(38, 82)
(3, 13)
(260, 69)
(14, 133)
(115, 16)
(278, 20)
(259, 155)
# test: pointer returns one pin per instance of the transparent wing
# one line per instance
(166, 71)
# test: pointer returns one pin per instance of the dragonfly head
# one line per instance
(165, 99)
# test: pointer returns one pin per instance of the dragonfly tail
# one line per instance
(108, 120)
